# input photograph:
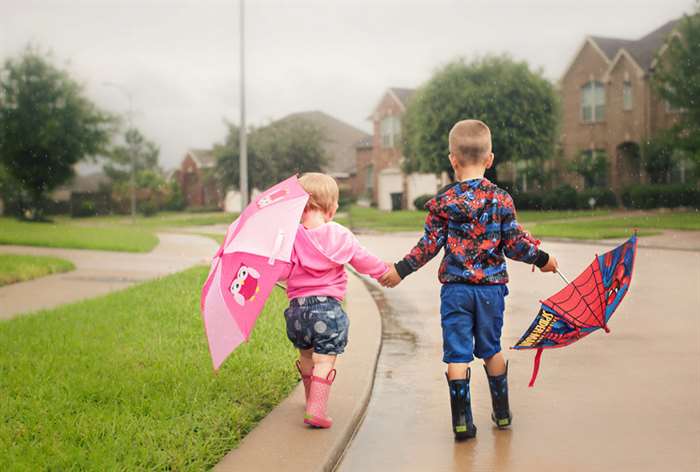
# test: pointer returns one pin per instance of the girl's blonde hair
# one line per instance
(322, 189)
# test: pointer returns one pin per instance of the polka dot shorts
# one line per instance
(317, 323)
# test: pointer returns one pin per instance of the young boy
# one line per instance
(474, 221)
(316, 284)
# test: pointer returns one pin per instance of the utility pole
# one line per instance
(243, 150)
(130, 123)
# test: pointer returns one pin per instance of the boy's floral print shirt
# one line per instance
(474, 221)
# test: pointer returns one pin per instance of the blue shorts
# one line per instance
(317, 323)
(472, 319)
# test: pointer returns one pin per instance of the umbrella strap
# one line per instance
(536, 367)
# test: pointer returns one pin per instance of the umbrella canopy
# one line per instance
(583, 305)
(255, 253)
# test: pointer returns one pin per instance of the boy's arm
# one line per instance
(433, 239)
(516, 242)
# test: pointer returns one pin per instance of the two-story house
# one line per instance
(609, 105)
(197, 180)
(379, 175)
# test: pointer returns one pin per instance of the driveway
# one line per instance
(628, 400)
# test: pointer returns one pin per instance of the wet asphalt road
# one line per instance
(628, 400)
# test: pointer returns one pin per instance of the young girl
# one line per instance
(316, 284)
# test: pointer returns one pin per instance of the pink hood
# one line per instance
(318, 260)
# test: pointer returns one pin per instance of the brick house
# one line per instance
(197, 180)
(609, 106)
(379, 175)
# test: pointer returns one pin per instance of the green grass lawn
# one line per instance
(125, 382)
(621, 226)
(413, 220)
(159, 221)
(18, 268)
(66, 234)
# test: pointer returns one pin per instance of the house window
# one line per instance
(593, 102)
(369, 181)
(390, 130)
(627, 95)
(593, 167)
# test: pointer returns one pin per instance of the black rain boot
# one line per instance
(498, 384)
(460, 401)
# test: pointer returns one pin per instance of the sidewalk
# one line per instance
(282, 442)
(100, 272)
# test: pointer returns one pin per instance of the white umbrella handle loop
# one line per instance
(276, 249)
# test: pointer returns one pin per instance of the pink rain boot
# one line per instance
(306, 379)
(316, 405)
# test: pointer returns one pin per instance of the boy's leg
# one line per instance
(496, 364)
(457, 370)
(457, 331)
(489, 308)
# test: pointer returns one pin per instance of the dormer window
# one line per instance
(390, 131)
(593, 102)
(627, 101)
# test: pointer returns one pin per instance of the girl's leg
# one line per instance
(319, 391)
(305, 365)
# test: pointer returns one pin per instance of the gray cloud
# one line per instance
(180, 58)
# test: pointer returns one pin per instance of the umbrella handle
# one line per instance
(562, 277)
(276, 249)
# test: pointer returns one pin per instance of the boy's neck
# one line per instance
(313, 219)
(469, 172)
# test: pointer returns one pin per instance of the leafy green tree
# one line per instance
(275, 152)
(519, 105)
(137, 154)
(658, 157)
(47, 125)
(677, 80)
(593, 167)
(140, 156)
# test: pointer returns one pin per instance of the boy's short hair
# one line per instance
(470, 141)
(322, 189)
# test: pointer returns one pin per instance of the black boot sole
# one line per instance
(468, 433)
(502, 423)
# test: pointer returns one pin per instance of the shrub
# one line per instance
(527, 200)
(604, 198)
(83, 209)
(421, 200)
(666, 196)
(562, 198)
(346, 198)
(148, 208)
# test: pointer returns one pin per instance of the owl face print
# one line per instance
(245, 286)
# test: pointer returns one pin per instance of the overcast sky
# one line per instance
(180, 58)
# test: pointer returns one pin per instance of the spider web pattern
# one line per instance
(582, 302)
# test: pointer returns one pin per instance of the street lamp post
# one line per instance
(132, 152)
(243, 149)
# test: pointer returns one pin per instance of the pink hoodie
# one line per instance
(318, 259)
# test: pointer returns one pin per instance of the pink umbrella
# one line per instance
(255, 252)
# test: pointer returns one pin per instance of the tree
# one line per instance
(519, 106)
(138, 156)
(593, 167)
(275, 152)
(677, 79)
(46, 126)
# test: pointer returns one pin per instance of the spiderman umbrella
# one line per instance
(584, 305)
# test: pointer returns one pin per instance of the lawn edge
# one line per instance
(282, 442)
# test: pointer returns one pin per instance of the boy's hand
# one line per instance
(391, 278)
(551, 265)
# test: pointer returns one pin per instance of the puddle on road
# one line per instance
(398, 342)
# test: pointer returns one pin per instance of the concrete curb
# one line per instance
(282, 442)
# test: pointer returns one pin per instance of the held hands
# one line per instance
(551, 265)
(391, 278)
